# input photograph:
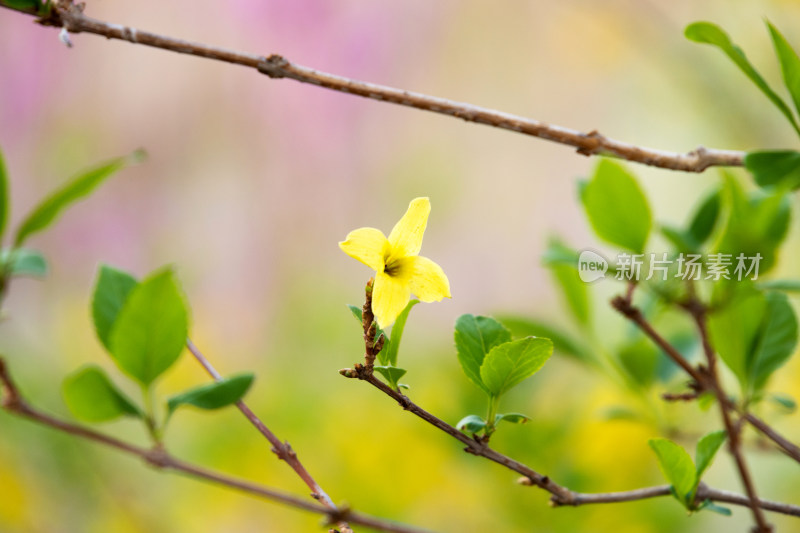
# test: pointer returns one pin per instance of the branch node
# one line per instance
(273, 66)
(594, 141)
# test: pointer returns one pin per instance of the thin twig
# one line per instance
(283, 450)
(701, 381)
(698, 312)
(560, 495)
(13, 402)
(70, 16)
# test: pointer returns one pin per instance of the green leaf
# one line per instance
(563, 342)
(785, 285)
(475, 337)
(391, 373)
(707, 448)
(756, 224)
(708, 33)
(711, 506)
(33, 7)
(51, 207)
(110, 293)
(790, 64)
(640, 360)
(734, 331)
(150, 331)
(677, 467)
(617, 207)
(508, 364)
(776, 342)
(23, 262)
(679, 238)
(784, 401)
(774, 168)
(558, 253)
(215, 395)
(705, 218)
(514, 418)
(357, 313)
(575, 291)
(388, 355)
(92, 397)
(471, 424)
(4, 206)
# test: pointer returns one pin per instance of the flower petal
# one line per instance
(390, 294)
(368, 245)
(428, 281)
(406, 236)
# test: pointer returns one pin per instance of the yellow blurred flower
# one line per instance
(399, 270)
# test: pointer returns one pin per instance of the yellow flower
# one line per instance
(399, 270)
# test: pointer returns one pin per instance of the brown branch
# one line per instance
(698, 312)
(13, 402)
(701, 381)
(560, 495)
(283, 450)
(69, 16)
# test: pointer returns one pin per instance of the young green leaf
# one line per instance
(4, 207)
(391, 373)
(92, 397)
(707, 448)
(150, 331)
(357, 313)
(110, 293)
(708, 33)
(776, 342)
(680, 239)
(471, 424)
(51, 207)
(734, 330)
(558, 253)
(23, 262)
(388, 356)
(639, 358)
(756, 224)
(508, 364)
(677, 467)
(475, 336)
(213, 395)
(705, 218)
(617, 207)
(711, 506)
(785, 401)
(774, 168)
(514, 418)
(790, 64)
(575, 291)
(784, 285)
(563, 342)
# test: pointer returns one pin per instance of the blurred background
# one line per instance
(251, 182)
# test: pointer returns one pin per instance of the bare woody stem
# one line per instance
(698, 312)
(283, 450)
(560, 495)
(701, 379)
(70, 16)
(13, 402)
